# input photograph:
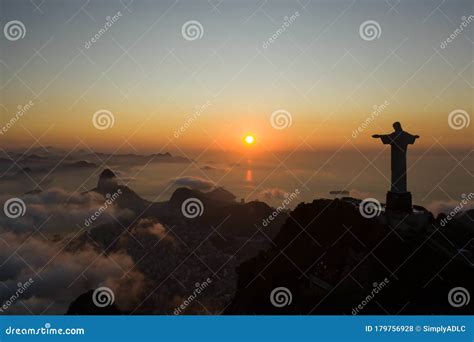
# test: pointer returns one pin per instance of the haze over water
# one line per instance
(269, 177)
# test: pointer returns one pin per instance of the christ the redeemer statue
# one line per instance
(398, 198)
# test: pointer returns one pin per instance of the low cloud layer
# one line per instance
(57, 211)
(193, 183)
(60, 276)
(437, 207)
(153, 228)
(273, 194)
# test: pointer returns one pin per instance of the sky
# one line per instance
(306, 62)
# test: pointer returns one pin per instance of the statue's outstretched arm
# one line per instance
(386, 138)
(411, 138)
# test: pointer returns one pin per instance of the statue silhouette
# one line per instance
(398, 198)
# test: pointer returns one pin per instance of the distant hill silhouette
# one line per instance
(83, 305)
(126, 198)
(81, 164)
(47, 162)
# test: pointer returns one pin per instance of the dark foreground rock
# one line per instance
(332, 260)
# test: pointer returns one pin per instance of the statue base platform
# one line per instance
(399, 201)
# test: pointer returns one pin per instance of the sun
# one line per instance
(249, 139)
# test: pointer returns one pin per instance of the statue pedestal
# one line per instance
(399, 201)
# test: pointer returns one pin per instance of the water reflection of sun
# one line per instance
(249, 176)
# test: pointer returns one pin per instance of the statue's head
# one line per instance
(397, 126)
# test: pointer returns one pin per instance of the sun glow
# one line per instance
(249, 139)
